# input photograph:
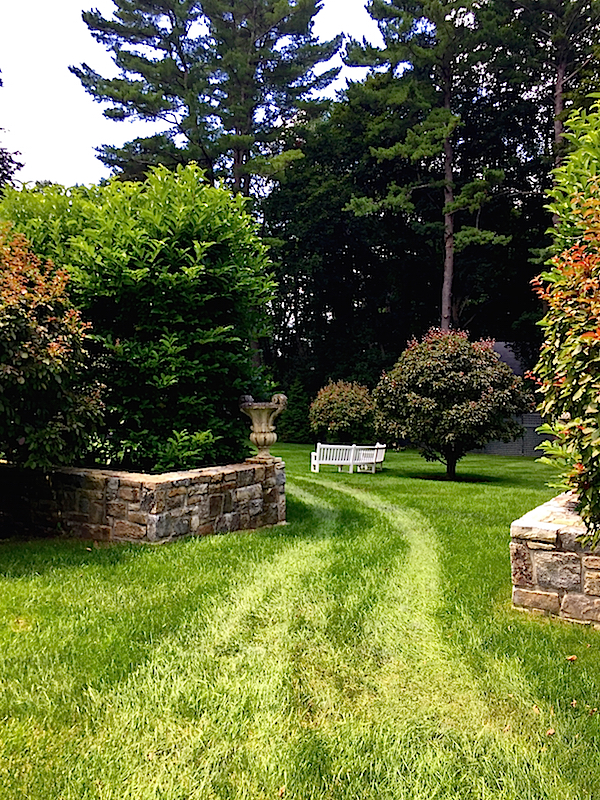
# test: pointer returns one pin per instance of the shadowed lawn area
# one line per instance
(366, 650)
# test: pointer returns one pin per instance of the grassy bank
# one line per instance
(365, 650)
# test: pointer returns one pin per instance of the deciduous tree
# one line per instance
(175, 281)
(343, 412)
(568, 369)
(448, 395)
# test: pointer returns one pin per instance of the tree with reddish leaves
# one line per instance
(569, 364)
(448, 395)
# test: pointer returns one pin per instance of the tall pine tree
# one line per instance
(430, 47)
(563, 54)
(470, 138)
(220, 77)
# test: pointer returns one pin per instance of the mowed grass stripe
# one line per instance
(309, 688)
(79, 623)
(251, 681)
(305, 662)
(425, 687)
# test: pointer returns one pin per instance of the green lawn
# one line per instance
(366, 650)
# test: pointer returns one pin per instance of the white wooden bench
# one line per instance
(364, 458)
(379, 457)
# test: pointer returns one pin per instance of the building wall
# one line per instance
(525, 445)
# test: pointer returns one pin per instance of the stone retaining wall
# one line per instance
(125, 506)
(551, 571)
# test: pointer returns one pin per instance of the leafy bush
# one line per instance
(175, 281)
(48, 408)
(576, 180)
(448, 396)
(569, 366)
(343, 412)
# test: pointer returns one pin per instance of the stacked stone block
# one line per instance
(123, 506)
(551, 570)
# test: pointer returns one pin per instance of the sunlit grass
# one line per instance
(366, 650)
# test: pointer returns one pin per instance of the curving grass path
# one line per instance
(366, 650)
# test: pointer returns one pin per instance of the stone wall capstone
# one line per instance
(116, 506)
(551, 570)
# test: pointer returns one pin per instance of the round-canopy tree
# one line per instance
(448, 396)
(175, 281)
(343, 412)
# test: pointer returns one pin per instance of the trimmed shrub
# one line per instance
(448, 395)
(175, 281)
(49, 408)
(568, 370)
(343, 412)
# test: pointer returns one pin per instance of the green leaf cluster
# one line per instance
(576, 178)
(343, 412)
(50, 404)
(568, 370)
(448, 396)
(175, 281)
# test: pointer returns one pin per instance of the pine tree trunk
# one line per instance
(559, 107)
(448, 239)
(446, 316)
(240, 184)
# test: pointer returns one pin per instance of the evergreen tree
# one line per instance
(8, 163)
(491, 82)
(8, 166)
(221, 77)
(353, 288)
(562, 41)
(434, 50)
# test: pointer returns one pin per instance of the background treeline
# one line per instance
(435, 167)
(416, 197)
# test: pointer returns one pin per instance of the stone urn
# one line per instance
(263, 415)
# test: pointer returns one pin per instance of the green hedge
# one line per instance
(176, 282)
(568, 370)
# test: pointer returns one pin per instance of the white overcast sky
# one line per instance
(44, 111)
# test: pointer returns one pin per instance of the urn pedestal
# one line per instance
(263, 415)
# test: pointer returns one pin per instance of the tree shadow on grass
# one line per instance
(420, 476)
(503, 480)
